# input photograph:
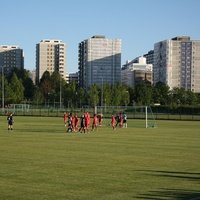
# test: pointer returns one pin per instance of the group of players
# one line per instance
(71, 122)
(119, 120)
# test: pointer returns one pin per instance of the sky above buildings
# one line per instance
(138, 23)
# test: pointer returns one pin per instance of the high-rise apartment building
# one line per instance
(11, 57)
(149, 57)
(50, 56)
(136, 71)
(72, 77)
(99, 61)
(177, 63)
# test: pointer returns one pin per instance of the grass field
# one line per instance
(39, 160)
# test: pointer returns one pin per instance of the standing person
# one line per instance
(10, 122)
(100, 117)
(87, 121)
(82, 125)
(125, 120)
(113, 122)
(73, 123)
(94, 123)
(76, 123)
(121, 119)
(117, 118)
(70, 129)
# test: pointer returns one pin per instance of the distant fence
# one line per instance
(165, 114)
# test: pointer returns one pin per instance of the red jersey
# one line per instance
(113, 120)
(95, 120)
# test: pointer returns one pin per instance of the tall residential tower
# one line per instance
(99, 61)
(50, 56)
(11, 57)
(177, 63)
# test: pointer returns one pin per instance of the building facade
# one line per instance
(99, 61)
(149, 57)
(72, 77)
(177, 63)
(11, 57)
(50, 56)
(135, 71)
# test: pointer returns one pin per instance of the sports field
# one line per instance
(39, 160)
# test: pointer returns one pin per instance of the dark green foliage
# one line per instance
(54, 90)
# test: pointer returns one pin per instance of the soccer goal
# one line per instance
(142, 114)
(17, 108)
(149, 118)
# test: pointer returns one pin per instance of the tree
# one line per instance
(116, 94)
(161, 93)
(143, 93)
(27, 82)
(45, 85)
(71, 94)
(16, 90)
(107, 97)
(38, 98)
(191, 98)
(81, 96)
(179, 96)
(131, 95)
(93, 95)
(125, 97)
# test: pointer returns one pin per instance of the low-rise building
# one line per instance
(135, 71)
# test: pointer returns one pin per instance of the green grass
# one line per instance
(39, 160)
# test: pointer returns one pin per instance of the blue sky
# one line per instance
(138, 23)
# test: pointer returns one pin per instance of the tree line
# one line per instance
(52, 90)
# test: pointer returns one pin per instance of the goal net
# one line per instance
(141, 115)
(18, 108)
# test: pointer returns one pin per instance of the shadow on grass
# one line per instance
(178, 194)
(175, 193)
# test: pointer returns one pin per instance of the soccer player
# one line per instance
(121, 119)
(76, 122)
(10, 121)
(82, 125)
(94, 123)
(125, 120)
(100, 117)
(87, 121)
(113, 122)
(70, 129)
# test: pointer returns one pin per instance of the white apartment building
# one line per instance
(99, 61)
(135, 71)
(50, 56)
(177, 63)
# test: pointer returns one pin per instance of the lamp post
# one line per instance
(60, 93)
(102, 91)
(2, 89)
(101, 69)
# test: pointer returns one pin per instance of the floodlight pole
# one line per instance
(2, 90)
(146, 117)
(60, 93)
(102, 91)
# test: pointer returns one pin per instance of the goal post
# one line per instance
(149, 118)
